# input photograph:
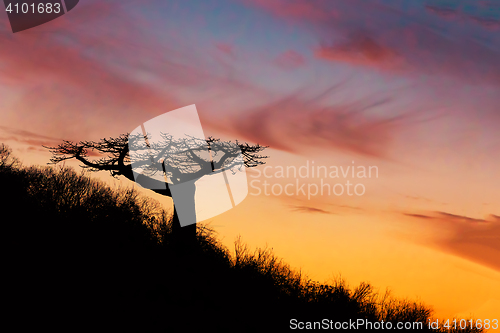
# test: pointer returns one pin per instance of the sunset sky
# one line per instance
(410, 87)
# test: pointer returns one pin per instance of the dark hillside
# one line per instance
(81, 256)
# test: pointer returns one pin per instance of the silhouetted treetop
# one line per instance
(185, 158)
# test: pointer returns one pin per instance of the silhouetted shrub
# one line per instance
(7, 160)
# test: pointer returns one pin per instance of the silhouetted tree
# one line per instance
(176, 160)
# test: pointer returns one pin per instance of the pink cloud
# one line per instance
(290, 60)
(298, 125)
(371, 34)
(96, 72)
(362, 51)
(295, 8)
(225, 48)
(63, 84)
(8, 134)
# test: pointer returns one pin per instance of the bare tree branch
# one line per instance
(179, 155)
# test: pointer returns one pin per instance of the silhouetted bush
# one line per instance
(7, 160)
(82, 256)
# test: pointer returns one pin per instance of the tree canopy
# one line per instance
(176, 158)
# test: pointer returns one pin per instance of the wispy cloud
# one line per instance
(297, 124)
(490, 12)
(98, 71)
(474, 239)
(388, 37)
(226, 48)
(362, 50)
(307, 209)
(290, 60)
(34, 140)
(420, 216)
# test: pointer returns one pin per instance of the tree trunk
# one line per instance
(183, 237)
(183, 195)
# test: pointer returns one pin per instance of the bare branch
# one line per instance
(180, 155)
